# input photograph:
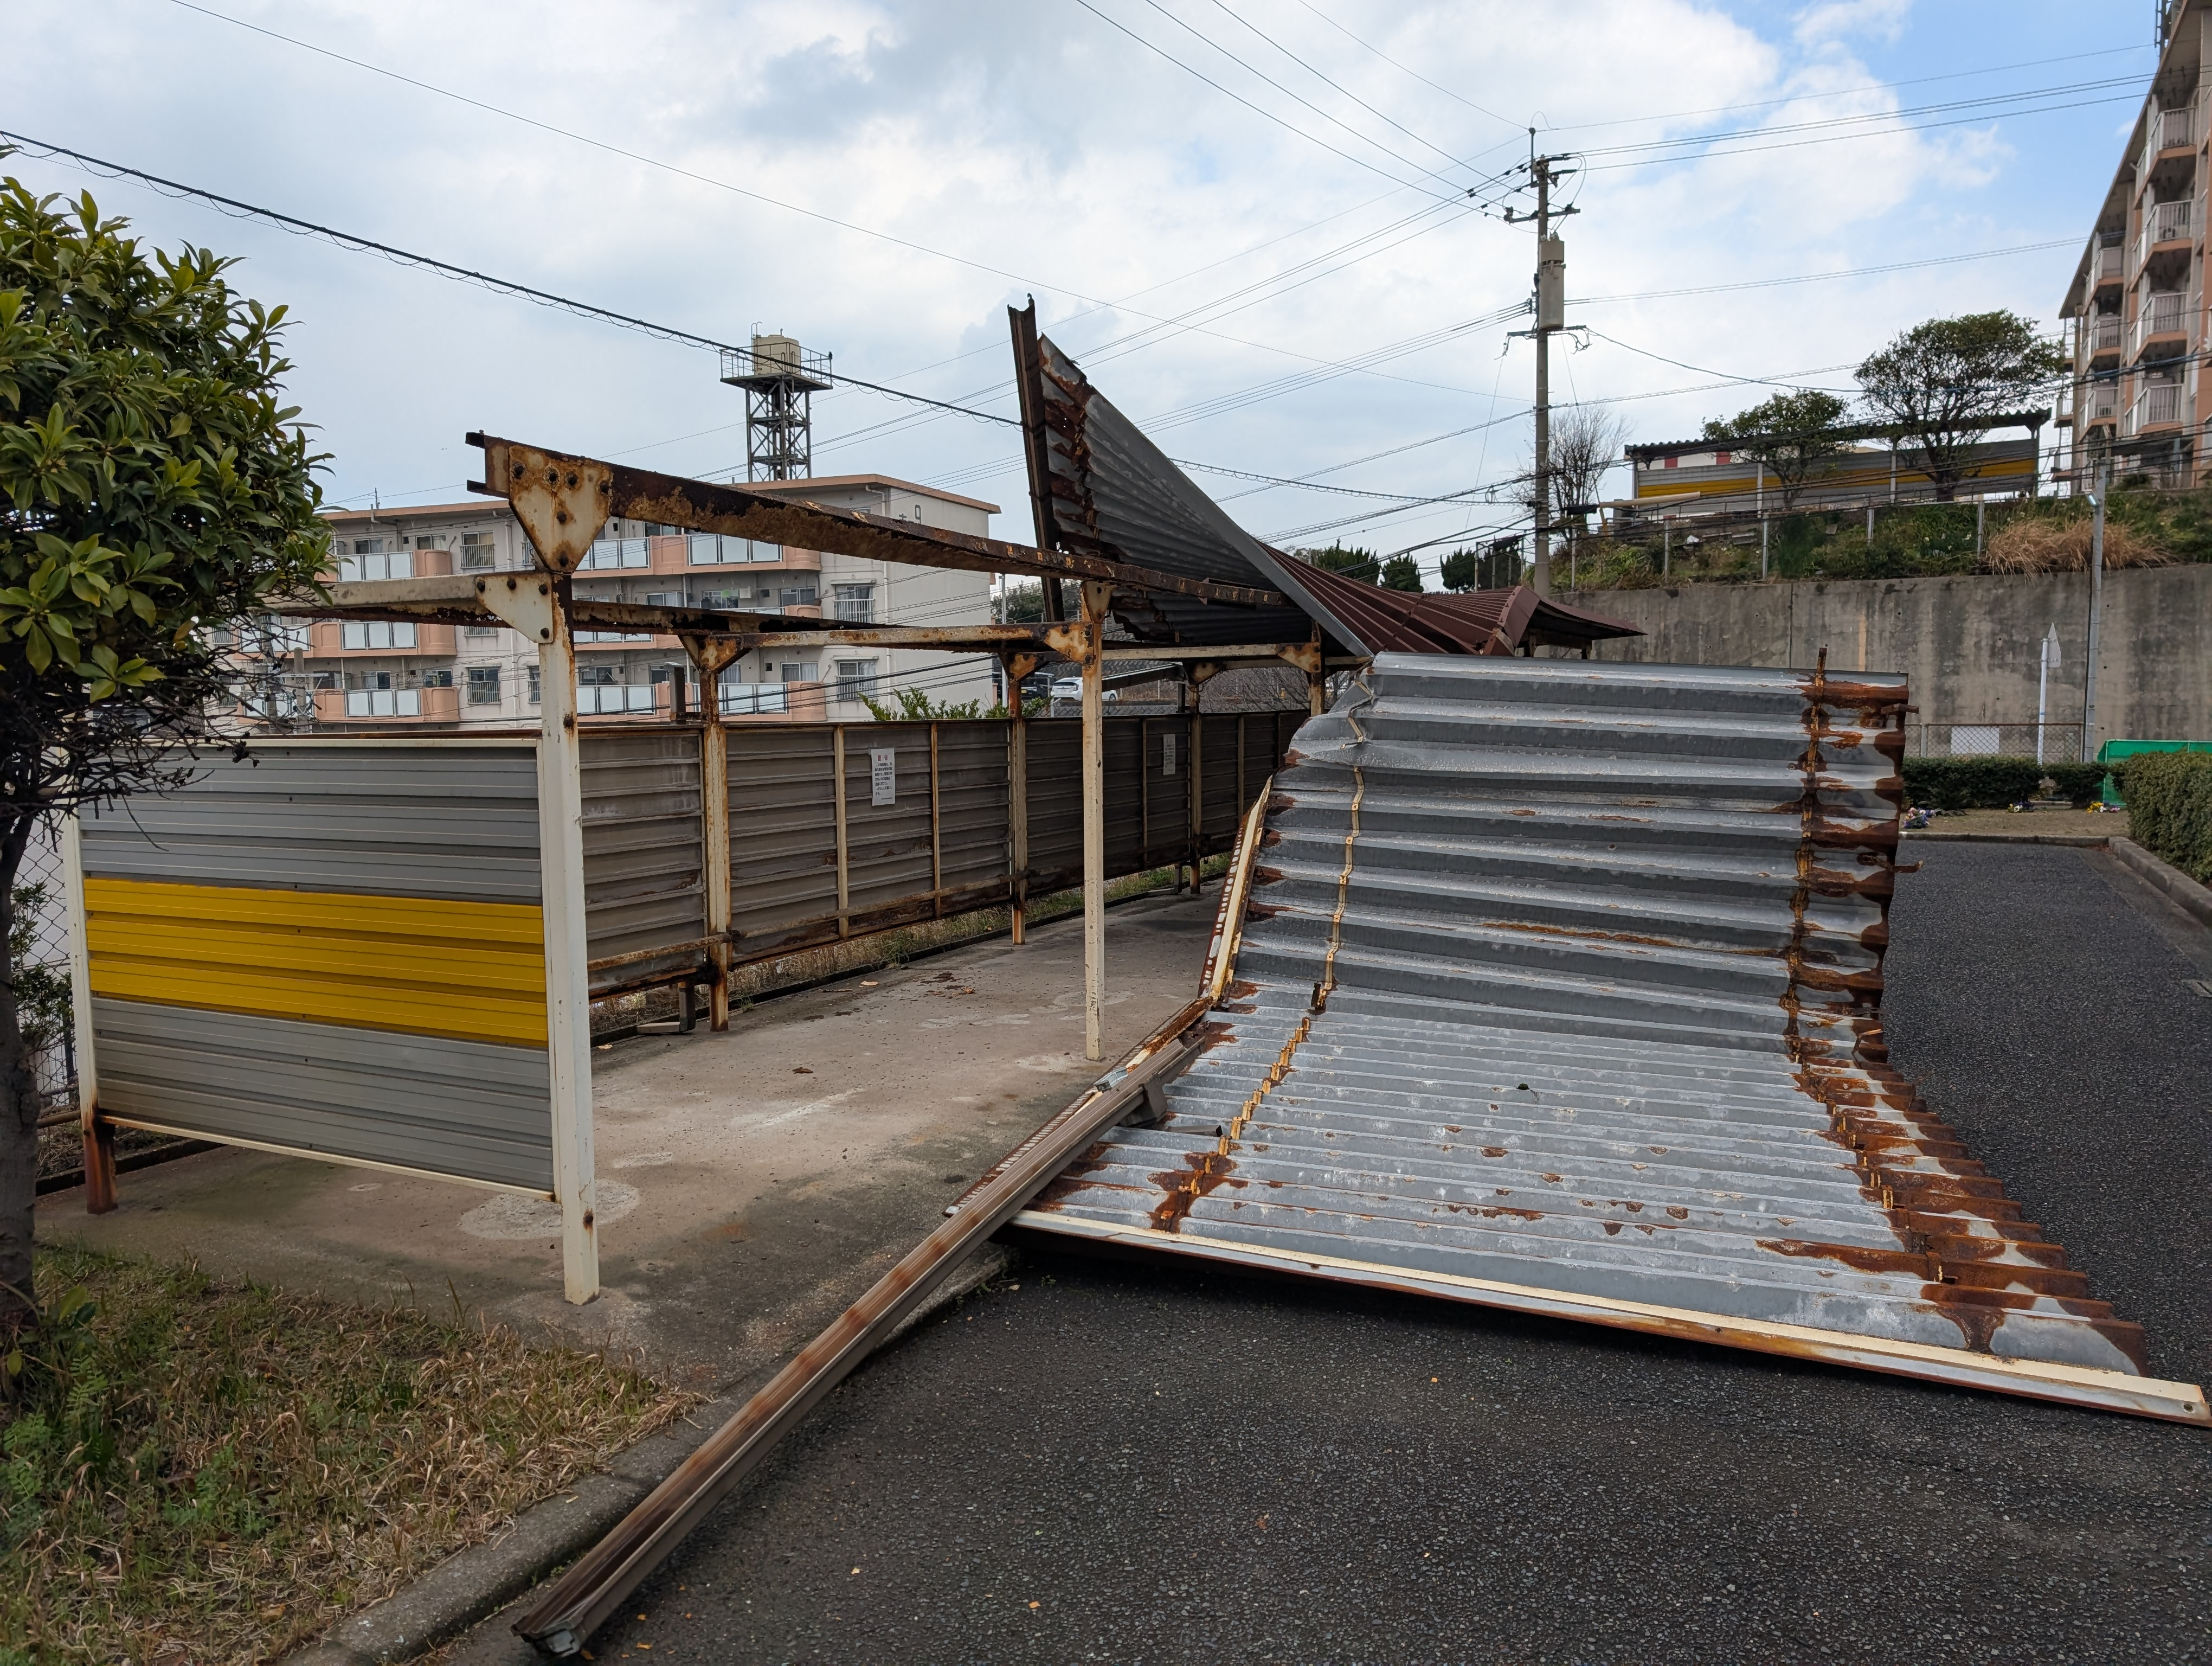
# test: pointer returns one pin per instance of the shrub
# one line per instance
(2169, 797)
(1971, 783)
(2077, 783)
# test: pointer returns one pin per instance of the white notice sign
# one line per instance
(1167, 755)
(883, 775)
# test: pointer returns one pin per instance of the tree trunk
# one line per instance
(19, 1102)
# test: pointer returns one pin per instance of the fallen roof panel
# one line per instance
(1560, 989)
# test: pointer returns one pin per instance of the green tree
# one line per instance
(1942, 382)
(154, 492)
(1402, 573)
(1359, 564)
(1789, 434)
(1460, 571)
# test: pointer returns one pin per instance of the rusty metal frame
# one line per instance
(597, 1584)
(547, 481)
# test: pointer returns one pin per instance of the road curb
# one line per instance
(473, 1583)
(2184, 891)
(2083, 840)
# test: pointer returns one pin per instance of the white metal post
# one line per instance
(1095, 598)
(2047, 659)
(568, 983)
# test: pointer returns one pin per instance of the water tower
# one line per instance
(781, 378)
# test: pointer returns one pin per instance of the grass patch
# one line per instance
(198, 1470)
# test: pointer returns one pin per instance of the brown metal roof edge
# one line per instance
(642, 494)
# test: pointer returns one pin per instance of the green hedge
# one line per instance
(1971, 783)
(2169, 798)
(2079, 784)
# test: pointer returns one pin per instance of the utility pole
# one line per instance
(1551, 318)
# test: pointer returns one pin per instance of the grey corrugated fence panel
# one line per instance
(783, 845)
(1601, 1018)
(887, 849)
(1163, 804)
(971, 769)
(390, 820)
(1055, 781)
(644, 882)
(465, 1109)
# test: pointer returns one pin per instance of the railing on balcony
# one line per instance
(614, 553)
(2108, 263)
(751, 699)
(2163, 223)
(2100, 333)
(2164, 313)
(2172, 129)
(586, 638)
(606, 699)
(384, 702)
(2159, 403)
(2100, 403)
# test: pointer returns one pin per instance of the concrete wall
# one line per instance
(1968, 644)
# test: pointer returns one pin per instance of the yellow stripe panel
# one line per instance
(1662, 482)
(473, 972)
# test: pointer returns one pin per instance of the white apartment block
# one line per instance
(2136, 306)
(441, 676)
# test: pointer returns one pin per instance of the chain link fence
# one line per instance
(2059, 743)
(40, 953)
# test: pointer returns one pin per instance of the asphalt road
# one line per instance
(1146, 1462)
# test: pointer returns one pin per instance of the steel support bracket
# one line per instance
(562, 501)
(523, 600)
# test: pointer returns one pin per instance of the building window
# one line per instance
(1671, 462)
(370, 560)
(587, 675)
(664, 599)
(376, 634)
(480, 630)
(478, 555)
(856, 679)
(794, 596)
(532, 673)
(802, 672)
(483, 685)
(441, 678)
(854, 604)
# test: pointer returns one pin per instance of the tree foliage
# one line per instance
(1349, 563)
(1459, 570)
(154, 490)
(1942, 382)
(1789, 434)
(1402, 573)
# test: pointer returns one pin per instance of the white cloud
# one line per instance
(1056, 154)
(1833, 19)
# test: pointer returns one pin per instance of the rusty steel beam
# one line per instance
(592, 1589)
(598, 1582)
(548, 491)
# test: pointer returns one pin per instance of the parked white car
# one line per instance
(1070, 688)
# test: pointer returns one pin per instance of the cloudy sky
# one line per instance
(1249, 220)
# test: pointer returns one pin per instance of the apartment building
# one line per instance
(2136, 310)
(423, 675)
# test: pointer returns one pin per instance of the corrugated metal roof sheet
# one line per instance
(1104, 488)
(1568, 978)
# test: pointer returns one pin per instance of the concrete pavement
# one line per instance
(752, 1184)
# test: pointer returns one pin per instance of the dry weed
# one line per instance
(220, 1471)
(2038, 545)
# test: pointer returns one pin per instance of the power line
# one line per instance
(1416, 73)
(1824, 277)
(358, 244)
(1257, 110)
